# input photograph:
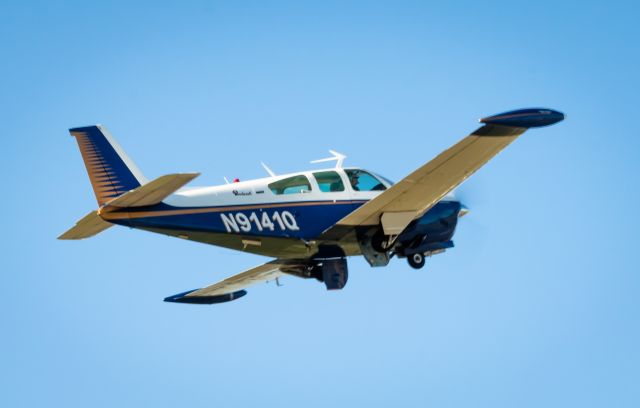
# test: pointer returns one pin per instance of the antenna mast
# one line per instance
(271, 173)
(337, 157)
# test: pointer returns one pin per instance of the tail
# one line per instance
(111, 171)
(116, 180)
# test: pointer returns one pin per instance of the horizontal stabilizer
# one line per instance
(89, 226)
(153, 192)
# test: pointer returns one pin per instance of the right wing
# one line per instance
(415, 194)
(233, 287)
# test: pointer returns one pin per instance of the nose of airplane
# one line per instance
(526, 118)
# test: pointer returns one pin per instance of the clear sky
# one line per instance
(536, 306)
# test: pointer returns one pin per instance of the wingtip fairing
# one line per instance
(204, 300)
(525, 118)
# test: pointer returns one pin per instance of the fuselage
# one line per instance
(280, 216)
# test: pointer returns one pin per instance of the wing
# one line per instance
(419, 191)
(233, 287)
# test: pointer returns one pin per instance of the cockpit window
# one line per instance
(383, 178)
(329, 181)
(291, 185)
(362, 181)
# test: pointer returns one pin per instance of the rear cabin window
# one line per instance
(329, 181)
(362, 181)
(291, 185)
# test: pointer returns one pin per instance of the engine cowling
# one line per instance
(432, 232)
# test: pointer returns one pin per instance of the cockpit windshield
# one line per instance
(361, 180)
(386, 180)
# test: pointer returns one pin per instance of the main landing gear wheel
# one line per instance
(416, 261)
(379, 242)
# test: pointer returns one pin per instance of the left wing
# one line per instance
(233, 287)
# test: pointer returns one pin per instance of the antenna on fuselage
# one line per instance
(338, 157)
(271, 173)
(225, 179)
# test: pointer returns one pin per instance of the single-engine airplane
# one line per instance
(310, 221)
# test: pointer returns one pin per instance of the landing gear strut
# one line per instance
(382, 243)
(416, 261)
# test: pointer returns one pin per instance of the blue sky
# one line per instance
(536, 306)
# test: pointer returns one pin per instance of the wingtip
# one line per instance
(204, 300)
(525, 118)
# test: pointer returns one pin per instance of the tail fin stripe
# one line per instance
(97, 167)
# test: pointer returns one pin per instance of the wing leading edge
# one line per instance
(412, 196)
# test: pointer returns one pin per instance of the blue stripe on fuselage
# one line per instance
(303, 220)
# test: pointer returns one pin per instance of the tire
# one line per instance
(416, 261)
(378, 242)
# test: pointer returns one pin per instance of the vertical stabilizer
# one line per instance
(111, 171)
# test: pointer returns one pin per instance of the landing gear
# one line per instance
(416, 261)
(335, 273)
(382, 243)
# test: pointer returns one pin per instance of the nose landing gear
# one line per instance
(416, 261)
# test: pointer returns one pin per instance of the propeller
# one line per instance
(468, 194)
(471, 195)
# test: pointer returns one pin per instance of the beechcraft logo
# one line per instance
(241, 193)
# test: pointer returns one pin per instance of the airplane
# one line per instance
(309, 221)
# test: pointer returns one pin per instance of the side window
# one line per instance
(291, 185)
(329, 181)
(362, 181)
